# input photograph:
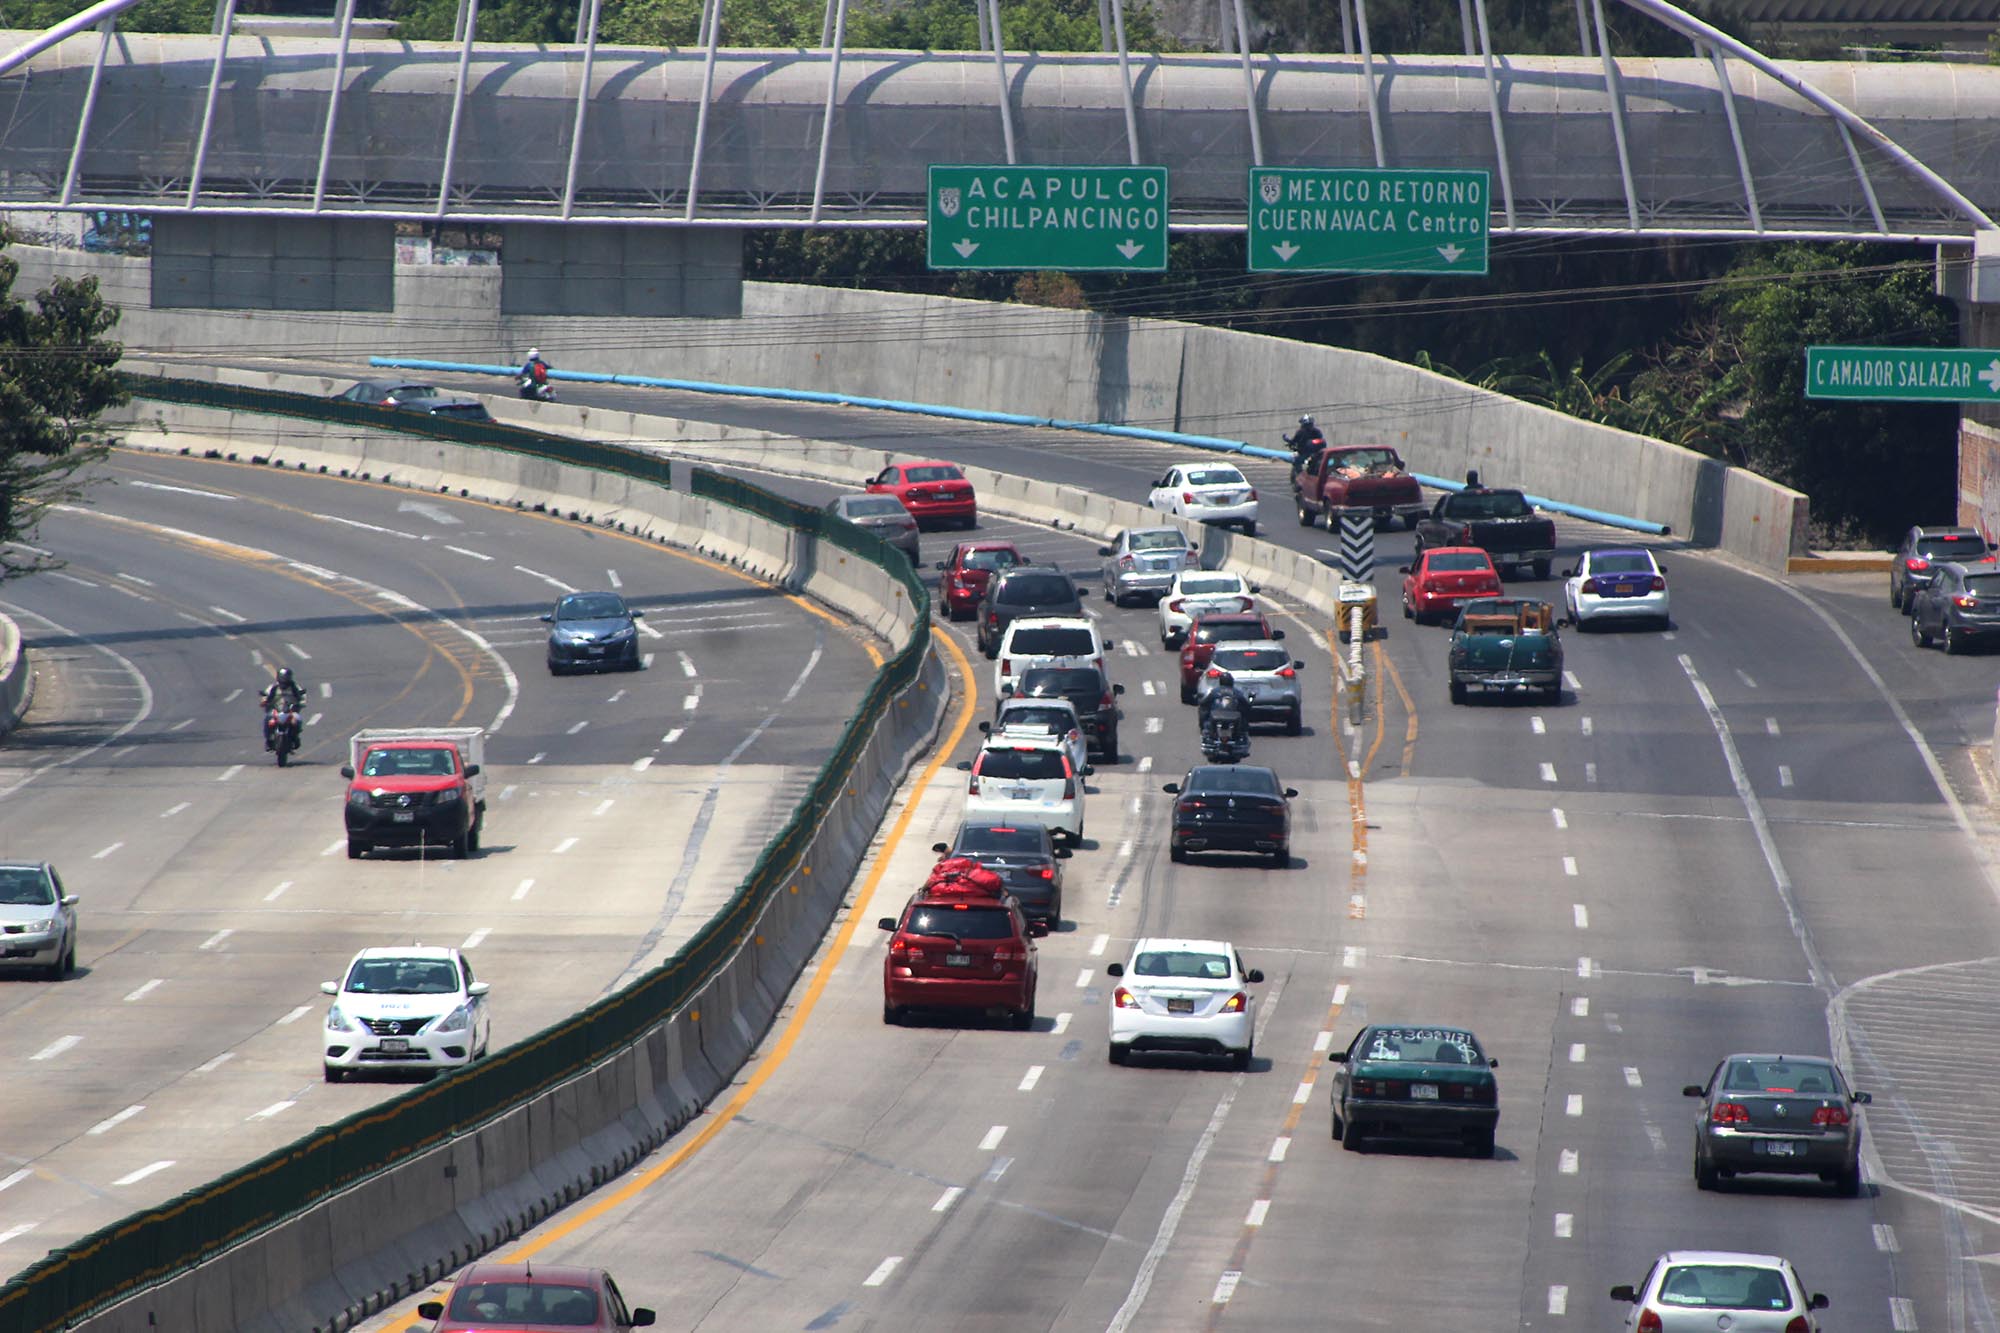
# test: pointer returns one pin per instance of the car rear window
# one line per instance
(1031, 588)
(1251, 659)
(1039, 718)
(1053, 641)
(989, 559)
(477, 411)
(1459, 564)
(1221, 631)
(1424, 1046)
(1061, 680)
(541, 1303)
(1791, 1076)
(1983, 585)
(1022, 764)
(1367, 458)
(1491, 504)
(968, 921)
(1215, 584)
(987, 840)
(1215, 476)
(1248, 781)
(1179, 963)
(1714, 1286)
(25, 886)
(1163, 540)
(1622, 562)
(938, 473)
(873, 506)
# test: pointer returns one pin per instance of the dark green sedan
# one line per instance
(1415, 1082)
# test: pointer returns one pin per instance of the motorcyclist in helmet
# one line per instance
(1224, 706)
(283, 694)
(534, 379)
(1306, 438)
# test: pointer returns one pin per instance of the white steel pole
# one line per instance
(208, 108)
(333, 102)
(832, 100)
(469, 12)
(582, 110)
(89, 106)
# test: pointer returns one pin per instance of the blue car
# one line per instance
(593, 630)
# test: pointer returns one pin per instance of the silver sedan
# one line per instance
(883, 515)
(1142, 562)
(37, 919)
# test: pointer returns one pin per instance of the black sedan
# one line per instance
(387, 393)
(1960, 605)
(1231, 808)
(593, 630)
(1413, 1081)
(1024, 856)
(1789, 1114)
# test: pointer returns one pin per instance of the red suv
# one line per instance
(530, 1298)
(1209, 630)
(961, 943)
(934, 491)
(966, 574)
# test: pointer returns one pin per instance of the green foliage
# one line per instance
(146, 16)
(56, 376)
(1432, 27)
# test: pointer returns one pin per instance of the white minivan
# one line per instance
(1047, 641)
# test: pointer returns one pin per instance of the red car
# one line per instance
(1444, 579)
(966, 574)
(961, 943)
(934, 491)
(1209, 630)
(523, 1298)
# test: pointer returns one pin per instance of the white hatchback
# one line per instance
(1187, 996)
(1208, 493)
(405, 1008)
(1624, 584)
(1047, 641)
(1201, 592)
(1027, 779)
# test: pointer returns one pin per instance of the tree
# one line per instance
(57, 373)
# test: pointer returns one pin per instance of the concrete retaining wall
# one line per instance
(17, 676)
(408, 1227)
(1069, 365)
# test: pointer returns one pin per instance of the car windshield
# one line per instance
(1234, 778)
(939, 472)
(1251, 659)
(591, 606)
(1426, 1046)
(1488, 504)
(1022, 764)
(1214, 583)
(1160, 539)
(968, 921)
(403, 763)
(1214, 476)
(25, 886)
(988, 559)
(993, 839)
(1459, 563)
(1053, 641)
(1724, 1286)
(1983, 585)
(1029, 589)
(1797, 1077)
(1621, 562)
(1952, 548)
(1182, 964)
(403, 976)
(1219, 631)
(1040, 717)
(873, 506)
(1062, 680)
(554, 1304)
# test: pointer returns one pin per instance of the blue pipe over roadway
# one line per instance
(1214, 442)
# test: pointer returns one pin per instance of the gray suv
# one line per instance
(1922, 551)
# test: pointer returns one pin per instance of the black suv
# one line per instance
(1025, 590)
(1922, 551)
(1090, 691)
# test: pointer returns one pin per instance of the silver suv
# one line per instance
(1266, 676)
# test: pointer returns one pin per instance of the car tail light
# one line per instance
(1127, 562)
(992, 617)
(1069, 789)
(1659, 584)
(902, 948)
(1122, 999)
(1047, 872)
(1187, 497)
(1214, 673)
(1287, 672)
(1176, 604)
(1368, 1087)
(1590, 586)
(1963, 600)
(1106, 701)
(1798, 1324)
(1830, 1116)
(1187, 655)
(972, 787)
(1253, 492)
(1006, 666)
(1007, 953)
(1729, 1113)
(1649, 1322)
(1234, 1004)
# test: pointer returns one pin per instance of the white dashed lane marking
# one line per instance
(1565, 1225)
(564, 846)
(1226, 1287)
(1548, 771)
(1536, 725)
(295, 1015)
(1582, 915)
(476, 938)
(1784, 775)
(145, 989)
(275, 1108)
(1573, 1104)
(1576, 1052)
(1061, 1024)
(1569, 865)
(1031, 1078)
(992, 1139)
(882, 1271)
(173, 810)
(521, 890)
(1568, 1162)
(1279, 1147)
(1083, 977)
(8, 1182)
(1558, 1299)
(134, 1177)
(947, 1199)
(1632, 1079)
(1771, 726)
(1587, 726)
(1579, 1006)
(215, 941)
(1097, 946)
(110, 1123)
(12, 1233)
(55, 1048)
(100, 855)
(1562, 820)
(1885, 1238)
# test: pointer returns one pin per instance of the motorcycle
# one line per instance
(284, 724)
(1225, 740)
(1303, 450)
(539, 391)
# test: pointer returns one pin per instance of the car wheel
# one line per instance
(1408, 612)
(1541, 569)
(1847, 1184)
(1281, 859)
(68, 964)
(1055, 914)
(1553, 694)
(335, 1075)
(1187, 694)
(356, 850)
(1479, 1143)
(1918, 634)
(1178, 855)
(461, 846)
(1240, 1060)
(1250, 529)
(1024, 1019)
(1705, 1176)
(1954, 642)
(1305, 517)
(1457, 692)
(1337, 1127)
(1118, 1054)
(892, 1014)
(1295, 724)
(1352, 1140)
(472, 837)
(1111, 750)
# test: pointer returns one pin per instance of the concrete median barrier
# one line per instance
(17, 676)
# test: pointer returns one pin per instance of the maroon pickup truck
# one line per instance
(1356, 479)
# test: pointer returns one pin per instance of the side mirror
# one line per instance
(1256, 587)
(940, 847)
(1692, 1090)
(1862, 1098)
(1007, 689)
(1038, 928)
(636, 613)
(479, 988)
(1115, 970)
(642, 1317)
(548, 620)
(986, 728)
(1402, 569)
(1336, 1057)
(1624, 1292)
(940, 566)
(431, 1310)
(1111, 645)
(1569, 573)
(1818, 1301)
(1090, 770)
(1171, 788)
(1663, 568)
(1290, 792)
(472, 770)
(1254, 975)
(965, 765)
(1063, 853)
(329, 988)
(1104, 550)
(1492, 1062)
(886, 923)
(1277, 634)
(1298, 664)
(1118, 689)
(347, 771)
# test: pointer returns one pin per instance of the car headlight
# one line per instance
(357, 797)
(456, 1021)
(49, 926)
(620, 635)
(447, 796)
(336, 1021)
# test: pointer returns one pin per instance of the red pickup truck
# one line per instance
(423, 788)
(1354, 479)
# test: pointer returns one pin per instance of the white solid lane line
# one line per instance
(295, 1015)
(215, 940)
(134, 1177)
(100, 855)
(110, 1123)
(1031, 1078)
(476, 938)
(460, 550)
(145, 989)
(273, 1109)
(55, 1048)
(882, 1271)
(992, 1139)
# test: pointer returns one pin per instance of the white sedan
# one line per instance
(1200, 592)
(1208, 493)
(1625, 583)
(1185, 996)
(414, 1008)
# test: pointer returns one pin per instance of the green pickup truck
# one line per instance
(1506, 644)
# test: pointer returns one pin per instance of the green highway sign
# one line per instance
(1361, 220)
(1905, 374)
(1076, 218)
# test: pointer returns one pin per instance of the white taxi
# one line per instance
(1186, 996)
(414, 1008)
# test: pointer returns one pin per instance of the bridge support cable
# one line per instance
(1614, 92)
(1125, 79)
(1735, 132)
(1368, 79)
(1493, 110)
(208, 107)
(711, 14)
(468, 15)
(1249, 87)
(593, 8)
(1000, 77)
(1465, 25)
(333, 103)
(105, 29)
(832, 102)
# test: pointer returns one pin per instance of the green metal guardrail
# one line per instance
(150, 1246)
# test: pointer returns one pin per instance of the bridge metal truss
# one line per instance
(1725, 143)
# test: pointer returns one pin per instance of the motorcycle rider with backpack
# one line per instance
(535, 378)
(283, 695)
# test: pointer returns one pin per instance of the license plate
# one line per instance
(1625, 589)
(396, 1044)
(403, 817)
(1780, 1148)
(1020, 793)
(1180, 1006)
(1423, 1092)
(958, 960)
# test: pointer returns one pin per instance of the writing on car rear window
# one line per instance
(1423, 1046)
